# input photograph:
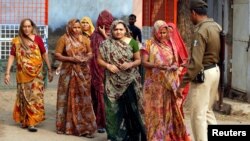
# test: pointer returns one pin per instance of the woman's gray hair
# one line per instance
(115, 23)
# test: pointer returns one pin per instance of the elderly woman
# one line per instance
(163, 118)
(75, 114)
(120, 57)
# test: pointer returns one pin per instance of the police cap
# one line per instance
(197, 3)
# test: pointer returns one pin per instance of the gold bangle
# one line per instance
(6, 74)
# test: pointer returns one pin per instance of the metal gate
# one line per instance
(11, 14)
(241, 51)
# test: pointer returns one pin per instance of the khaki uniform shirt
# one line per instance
(204, 50)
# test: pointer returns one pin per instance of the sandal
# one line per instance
(32, 129)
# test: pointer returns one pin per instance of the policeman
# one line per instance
(203, 72)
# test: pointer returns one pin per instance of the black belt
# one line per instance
(209, 67)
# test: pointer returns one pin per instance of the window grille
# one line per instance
(8, 32)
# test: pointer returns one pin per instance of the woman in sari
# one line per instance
(120, 57)
(182, 58)
(87, 29)
(87, 26)
(29, 52)
(101, 32)
(75, 115)
(163, 118)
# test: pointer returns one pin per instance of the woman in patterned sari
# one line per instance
(101, 32)
(163, 118)
(29, 51)
(75, 115)
(87, 29)
(120, 57)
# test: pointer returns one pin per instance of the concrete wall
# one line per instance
(61, 11)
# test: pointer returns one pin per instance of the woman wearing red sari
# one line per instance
(163, 117)
(101, 32)
(75, 114)
(182, 58)
(29, 52)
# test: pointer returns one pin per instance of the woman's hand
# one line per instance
(126, 65)
(7, 79)
(103, 31)
(50, 75)
(112, 68)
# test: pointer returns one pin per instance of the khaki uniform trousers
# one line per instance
(202, 96)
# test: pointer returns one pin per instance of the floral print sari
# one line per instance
(75, 114)
(163, 118)
(29, 105)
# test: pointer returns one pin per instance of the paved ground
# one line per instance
(9, 131)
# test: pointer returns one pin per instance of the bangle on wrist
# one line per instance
(7, 74)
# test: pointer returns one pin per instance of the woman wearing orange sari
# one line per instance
(29, 51)
(163, 118)
(75, 114)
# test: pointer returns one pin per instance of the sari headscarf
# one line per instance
(180, 45)
(91, 28)
(158, 26)
(69, 29)
(105, 18)
(115, 23)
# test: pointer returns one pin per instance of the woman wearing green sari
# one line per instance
(120, 56)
